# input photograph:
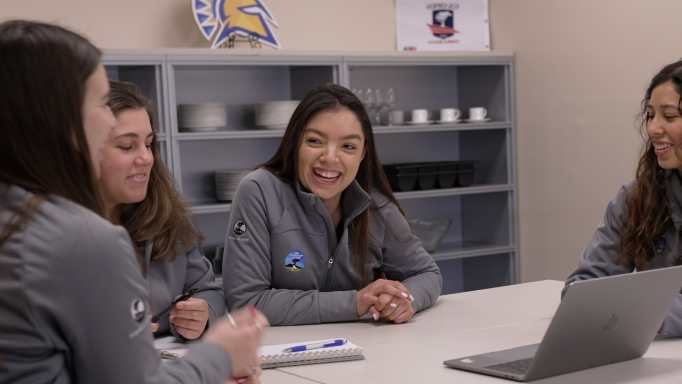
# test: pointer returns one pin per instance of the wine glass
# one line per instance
(368, 101)
(391, 102)
(379, 103)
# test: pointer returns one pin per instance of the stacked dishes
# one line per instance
(204, 117)
(226, 183)
(275, 114)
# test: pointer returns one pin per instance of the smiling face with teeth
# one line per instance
(329, 155)
(664, 124)
(128, 160)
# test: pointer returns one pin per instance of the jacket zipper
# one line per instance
(330, 262)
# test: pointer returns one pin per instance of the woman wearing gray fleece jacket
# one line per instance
(316, 235)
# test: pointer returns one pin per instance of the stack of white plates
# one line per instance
(205, 117)
(226, 183)
(275, 114)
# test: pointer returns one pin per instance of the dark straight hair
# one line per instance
(163, 214)
(43, 70)
(371, 177)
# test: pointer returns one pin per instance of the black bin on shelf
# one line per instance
(444, 174)
(402, 177)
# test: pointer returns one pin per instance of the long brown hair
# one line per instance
(163, 214)
(43, 71)
(283, 164)
(648, 210)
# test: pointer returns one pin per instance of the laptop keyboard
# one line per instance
(519, 367)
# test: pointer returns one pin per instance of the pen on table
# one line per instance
(180, 298)
(324, 344)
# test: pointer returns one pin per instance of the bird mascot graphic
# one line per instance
(223, 19)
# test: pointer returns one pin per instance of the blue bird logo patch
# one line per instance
(221, 18)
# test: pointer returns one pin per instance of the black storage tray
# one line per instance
(445, 174)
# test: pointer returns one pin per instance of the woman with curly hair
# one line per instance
(642, 223)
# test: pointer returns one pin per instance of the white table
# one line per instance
(460, 325)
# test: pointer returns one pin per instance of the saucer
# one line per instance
(419, 122)
(477, 120)
(448, 121)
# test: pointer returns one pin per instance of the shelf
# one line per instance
(226, 207)
(270, 133)
(227, 135)
(440, 127)
(454, 191)
(211, 208)
(460, 250)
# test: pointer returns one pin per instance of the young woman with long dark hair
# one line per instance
(642, 223)
(73, 302)
(313, 229)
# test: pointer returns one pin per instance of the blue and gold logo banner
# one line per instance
(218, 19)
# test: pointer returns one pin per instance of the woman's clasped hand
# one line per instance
(385, 298)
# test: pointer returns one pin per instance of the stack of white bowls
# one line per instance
(226, 183)
(204, 117)
(275, 114)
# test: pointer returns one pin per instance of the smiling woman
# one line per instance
(139, 194)
(642, 223)
(321, 226)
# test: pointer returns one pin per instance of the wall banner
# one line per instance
(428, 25)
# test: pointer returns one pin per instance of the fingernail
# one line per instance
(241, 381)
(252, 309)
(171, 318)
(180, 305)
(411, 298)
(374, 315)
(393, 305)
(404, 294)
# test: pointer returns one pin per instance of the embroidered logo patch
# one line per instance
(239, 227)
(137, 310)
(295, 261)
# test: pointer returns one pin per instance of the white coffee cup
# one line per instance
(397, 117)
(478, 113)
(420, 115)
(449, 114)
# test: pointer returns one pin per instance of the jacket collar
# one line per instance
(354, 200)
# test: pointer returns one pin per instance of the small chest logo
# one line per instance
(239, 227)
(295, 261)
(137, 310)
(610, 323)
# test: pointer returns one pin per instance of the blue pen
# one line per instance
(323, 344)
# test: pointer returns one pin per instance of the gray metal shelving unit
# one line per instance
(479, 250)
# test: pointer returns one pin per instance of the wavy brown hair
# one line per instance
(163, 214)
(283, 164)
(648, 210)
(43, 71)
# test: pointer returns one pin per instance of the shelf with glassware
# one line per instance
(450, 111)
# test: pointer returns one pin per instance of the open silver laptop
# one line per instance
(599, 321)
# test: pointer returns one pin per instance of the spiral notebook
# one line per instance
(273, 356)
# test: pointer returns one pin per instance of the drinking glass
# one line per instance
(368, 101)
(391, 102)
(379, 103)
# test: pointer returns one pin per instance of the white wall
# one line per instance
(581, 70)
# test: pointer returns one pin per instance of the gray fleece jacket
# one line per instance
(600, 257)
(74, 305)
(168, 279)
(282, 253)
